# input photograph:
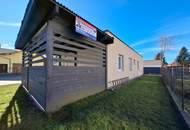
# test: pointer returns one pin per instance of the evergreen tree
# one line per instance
(183, 56)
(159, 56)
(164, 61)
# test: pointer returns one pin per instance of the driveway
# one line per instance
(7, 79)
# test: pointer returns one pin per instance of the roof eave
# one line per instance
(37, 13)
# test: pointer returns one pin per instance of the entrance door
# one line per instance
(3, 68)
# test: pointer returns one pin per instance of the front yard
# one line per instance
(142, 105)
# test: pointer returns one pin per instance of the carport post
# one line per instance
(49, 62)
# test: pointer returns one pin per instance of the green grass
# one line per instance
(186, 92)
(142, 105)
(6, 94)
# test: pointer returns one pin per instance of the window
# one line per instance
(134, 62)
(121, 63)
(130, 64)
(138, 65)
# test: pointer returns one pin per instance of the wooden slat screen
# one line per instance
(76, 52)
(34, 53)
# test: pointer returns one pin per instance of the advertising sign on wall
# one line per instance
(85, 28)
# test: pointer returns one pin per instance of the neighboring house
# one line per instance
(123, 62)
(10, 61)
(152, 66)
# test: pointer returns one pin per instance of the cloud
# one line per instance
(6, 45)
(13, 24)
(157, 40)
(175, 28)
(121, 2)
(157, 49)
(144, 41)
(148, 50)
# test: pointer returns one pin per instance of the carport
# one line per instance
(64, 56)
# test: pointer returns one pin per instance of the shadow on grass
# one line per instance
(19, 112)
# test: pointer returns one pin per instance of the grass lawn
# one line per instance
(143, 105)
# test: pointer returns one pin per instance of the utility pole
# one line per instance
(165, 42)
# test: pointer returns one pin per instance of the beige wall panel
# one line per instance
(10, 59)
(119, 48)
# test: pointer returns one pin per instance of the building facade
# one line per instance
(152, 66)
(123, 62)
(10, 61)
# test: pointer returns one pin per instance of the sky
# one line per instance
(140, 23)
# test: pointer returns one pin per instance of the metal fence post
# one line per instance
(172, 78)
(182, 86)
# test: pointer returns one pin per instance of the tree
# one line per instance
(159, 56)
(164, 61)
(183, 56)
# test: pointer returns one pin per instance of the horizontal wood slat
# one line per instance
(38, 61)
(40, 43)
(82, 56)
(79, 61)
(78, 50)
(90, 42)
(39, 54)
(77, 44)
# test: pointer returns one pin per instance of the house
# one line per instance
(152, 66)
(123, 62)
(10, 61)
(64, 56)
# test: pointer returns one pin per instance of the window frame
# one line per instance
(130, 64)
(138, 65)
(120, 64)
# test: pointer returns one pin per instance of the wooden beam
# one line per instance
(49, 62)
